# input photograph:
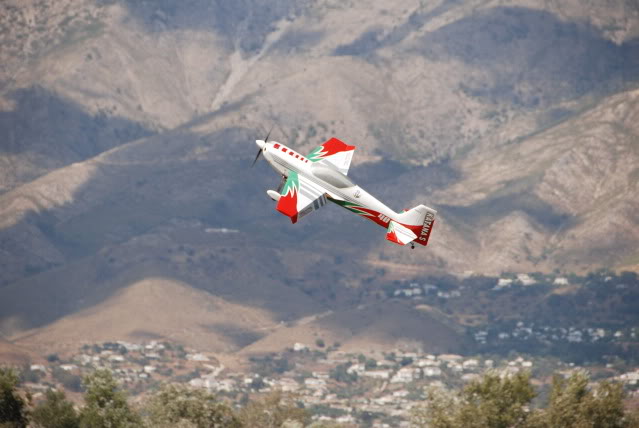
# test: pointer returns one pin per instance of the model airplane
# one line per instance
(309, 181)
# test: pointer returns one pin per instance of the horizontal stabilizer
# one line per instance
(399, 234)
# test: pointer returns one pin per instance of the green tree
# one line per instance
(502, 402)
(106, 406)
(55, 412)
(178, 405)
(370, 364)
(340, 373)
(493, 401)
(13, 410)
(272, 411)
(573, 404)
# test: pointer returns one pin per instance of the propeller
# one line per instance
(260, 150)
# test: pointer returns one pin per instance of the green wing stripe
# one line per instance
(314, 156)
(292, 183)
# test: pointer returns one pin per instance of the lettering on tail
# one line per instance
(429, 219)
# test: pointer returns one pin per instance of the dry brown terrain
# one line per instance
(11, 353)
(128, 209)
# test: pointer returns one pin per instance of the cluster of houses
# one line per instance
(417, 291)
(547, 334)
(526, 280)
(393, 383)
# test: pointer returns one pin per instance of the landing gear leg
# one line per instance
(279, 188)
(412, 246)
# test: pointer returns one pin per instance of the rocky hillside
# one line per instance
(128, 130)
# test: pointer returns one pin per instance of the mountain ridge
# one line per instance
(129, 140)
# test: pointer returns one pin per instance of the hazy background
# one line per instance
(128, 208)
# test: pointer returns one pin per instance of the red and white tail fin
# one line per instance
(420, 220)
(335, 152)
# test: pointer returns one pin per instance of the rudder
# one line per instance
(420, 219)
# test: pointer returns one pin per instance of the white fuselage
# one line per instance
(283, 159)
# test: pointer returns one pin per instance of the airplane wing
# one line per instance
(335, 152)
(300, 197)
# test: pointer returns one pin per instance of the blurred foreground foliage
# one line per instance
(174, 405)
(496, 400)
(499, 400)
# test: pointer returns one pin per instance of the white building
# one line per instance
(68, 367)
(450, 357)
(405, 375)
(427, 363)
(197, 357)
(313, 383)
(299, 347)
(377, 374)
(503, 283)
(288, 384)
(432, 371)
(525, 279)
(470, 364)
(356, 368)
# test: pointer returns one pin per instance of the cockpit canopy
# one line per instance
(331, 175)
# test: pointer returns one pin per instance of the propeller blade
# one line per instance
(256, 157)
(269, 133)
(265, 140)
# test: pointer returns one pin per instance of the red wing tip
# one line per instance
(338, 144)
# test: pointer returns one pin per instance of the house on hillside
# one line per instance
(313, 383)
(299, 347)
(503, 283)
(471, 364)
(287, 384)
(356, 368)
(377, 374)
(525, 279)
(432, 371)
(405, 375)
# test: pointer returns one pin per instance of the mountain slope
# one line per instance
(156, 308)
(415, 81)
(560, 199)
(129, 129)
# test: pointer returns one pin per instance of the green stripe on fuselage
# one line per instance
(350, 206)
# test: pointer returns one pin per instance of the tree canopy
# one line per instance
(13, 408)
(505, 401)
